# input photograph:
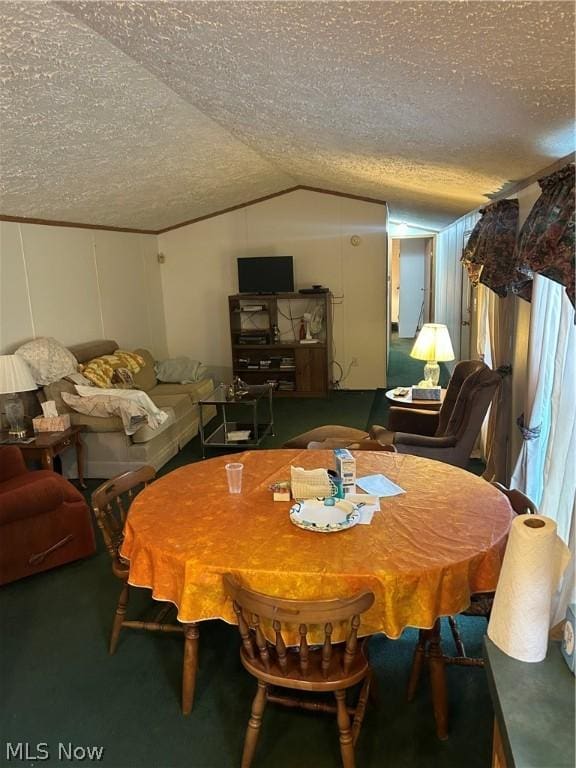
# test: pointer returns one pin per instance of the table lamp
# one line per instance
(433, 344)
(15, 377)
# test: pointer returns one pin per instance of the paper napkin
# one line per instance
(366, 504)
(379, 485)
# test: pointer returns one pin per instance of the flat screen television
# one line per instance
(266, 274)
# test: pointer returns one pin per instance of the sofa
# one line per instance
(108, 450)
(44, 521)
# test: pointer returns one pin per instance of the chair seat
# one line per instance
(315, 679)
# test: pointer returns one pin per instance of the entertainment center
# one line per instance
(265, 334)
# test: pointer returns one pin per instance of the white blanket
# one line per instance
(132, 405)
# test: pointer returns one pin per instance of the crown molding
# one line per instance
(132, 230)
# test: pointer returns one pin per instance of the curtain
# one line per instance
(489, 253)
(545, 466)
(496, 315)
(546, 242)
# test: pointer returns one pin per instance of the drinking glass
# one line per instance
(234, 474)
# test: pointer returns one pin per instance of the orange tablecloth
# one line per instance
(423, 555)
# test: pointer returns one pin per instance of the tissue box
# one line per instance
(51, 423)
(568, 639)
(346, 468)
(426, 393)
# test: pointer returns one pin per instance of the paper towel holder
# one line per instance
(531, 523)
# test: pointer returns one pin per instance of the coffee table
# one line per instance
(254, 428)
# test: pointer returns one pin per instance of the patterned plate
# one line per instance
(317, 515)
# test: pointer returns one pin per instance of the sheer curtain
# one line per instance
(546, 469)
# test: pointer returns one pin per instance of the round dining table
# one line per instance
(423, 554)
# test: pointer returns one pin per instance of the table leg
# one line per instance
(438, 681)
(190, 667)
(80, 460)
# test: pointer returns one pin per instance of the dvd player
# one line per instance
(319, 289)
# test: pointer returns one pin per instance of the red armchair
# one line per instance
(44, 520)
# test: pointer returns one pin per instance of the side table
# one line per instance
(406, 401)
(47, 445)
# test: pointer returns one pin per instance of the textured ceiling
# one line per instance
(144, 114)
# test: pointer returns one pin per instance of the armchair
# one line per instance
(44, 520)
(446, 435)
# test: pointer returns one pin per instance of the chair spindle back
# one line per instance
(301, 618)
(111, 502)
(519, 502)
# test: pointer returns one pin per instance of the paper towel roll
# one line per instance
(534, 561)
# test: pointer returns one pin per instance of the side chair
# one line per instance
(327, 668)
(428, 648)
(111, 503)
(481, 603)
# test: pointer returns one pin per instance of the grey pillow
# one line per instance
(179, 370)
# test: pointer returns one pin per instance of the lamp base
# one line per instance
(17, 434)
(432, 372)
(14, 409)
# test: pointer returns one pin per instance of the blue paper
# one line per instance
(379, 485)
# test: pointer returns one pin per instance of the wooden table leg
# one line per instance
(191, 635)
(438, 681)
(80, 460)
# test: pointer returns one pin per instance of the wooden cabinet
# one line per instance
(266, 347)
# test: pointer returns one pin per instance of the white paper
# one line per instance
(366, 505)
(379, 485)
(534, 561)
(49, 408)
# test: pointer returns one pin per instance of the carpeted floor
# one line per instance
(59, 685)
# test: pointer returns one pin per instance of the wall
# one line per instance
(451, 282)
(412, 286)
(78, 285)
(394, 285)
(314, 228)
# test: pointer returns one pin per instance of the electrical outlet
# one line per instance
(354, 362)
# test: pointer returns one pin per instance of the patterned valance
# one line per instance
(489, 253)
(546, 242)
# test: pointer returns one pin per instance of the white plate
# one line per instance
(316, 515)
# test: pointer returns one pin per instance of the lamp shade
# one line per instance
(15, 375)
(433, 343)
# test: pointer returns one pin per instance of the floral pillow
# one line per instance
(48, 360)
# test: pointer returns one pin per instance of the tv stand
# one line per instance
(295, 368)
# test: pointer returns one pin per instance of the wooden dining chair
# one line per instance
(111, 503)
(480, 605)
(327, 668)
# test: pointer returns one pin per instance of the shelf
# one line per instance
(282, 345)
(264, 370)
(306, 366)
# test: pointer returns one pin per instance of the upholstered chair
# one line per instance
(446, 435)
(44, 520)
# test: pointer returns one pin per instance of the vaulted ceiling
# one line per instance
(145, 114)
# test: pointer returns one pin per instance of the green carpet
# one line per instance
(59, 685)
